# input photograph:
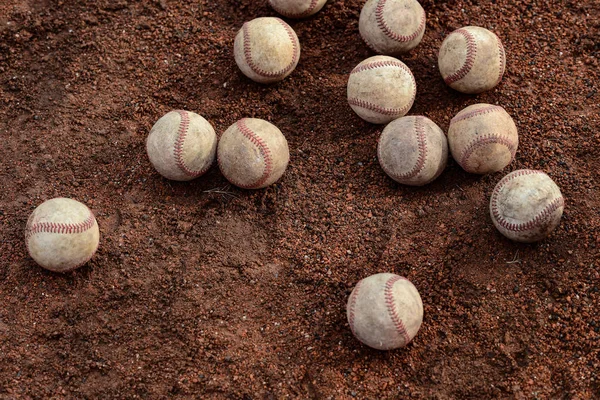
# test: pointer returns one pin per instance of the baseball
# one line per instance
(483, 138)
(392, 26)
(472, 60)
(62, 234)
(253, 153)
(526, 205)
(266, 49)
(412, 150)
(385, 311)
(181, 145)
(297, 8)
(381, 89)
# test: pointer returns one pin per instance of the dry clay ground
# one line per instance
(201, 290)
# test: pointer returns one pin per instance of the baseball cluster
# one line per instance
(385, 310)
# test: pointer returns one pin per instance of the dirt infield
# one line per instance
(203, 290)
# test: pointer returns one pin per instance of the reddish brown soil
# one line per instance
(199, 293)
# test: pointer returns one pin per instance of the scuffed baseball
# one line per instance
(526, 205)
(381, 89)
(181, 145)
(392, 26)
(483, 138)
(253, 153)
(472, 60)
(62, 234)
(266, 49)
(412, 150)
(297, 8)
(385, 311)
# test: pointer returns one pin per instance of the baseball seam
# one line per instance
(374, 107)
(352, 307)
(182, 132)
(391, 307)
(385, 28)
(377, 64)
(527, 225)
(260, 71)
(470, 58)
(264, 150)
(483, 140)
(502, 60)
(62, 228)
(481, 111)
(305, 13)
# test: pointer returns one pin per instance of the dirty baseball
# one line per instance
(483, 138)
(526, 205)
(412, 150)
(266, 49)
(381, 89)
(62, 234)
(385, 311)
(253, 153)
(472, 60)
(181, 145)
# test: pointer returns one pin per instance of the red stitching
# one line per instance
(248, 52)
(57, 227)
(480, 111)
(352, 306)
(378, 64)
(524, 226)
(470, 59)
(391, 306)
(182, 132)
(420, 164)
(374, 107)
(264, 151)
(388, 31)
(305, 13)
(484, 140)
(502, 56)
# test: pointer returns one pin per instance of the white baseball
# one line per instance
(381, 89)
(483, 138)
(181, 145)
(392, 26)
(253, 153)
(297, 8)
(526, 205)
(385, 311)
(472, 60)
(266, 49)
(62, 234)
(412, 150)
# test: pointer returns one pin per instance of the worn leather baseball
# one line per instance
(385, 311)
(472, 60)
(526, 205)
(381, 89)
(62, 234)
(297, 8)
(266, 49)
(253, 153)
(181, 145)
(392, 26)
(412, 150)
(483, 138)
